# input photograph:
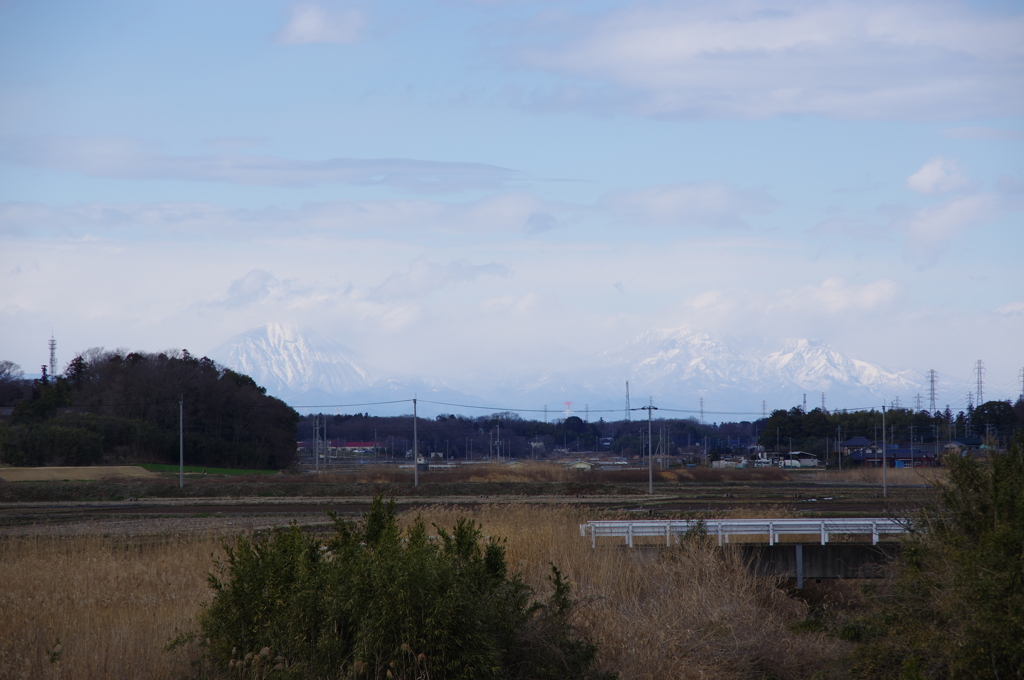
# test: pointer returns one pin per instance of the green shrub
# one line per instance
(372, 601)
(956, 605)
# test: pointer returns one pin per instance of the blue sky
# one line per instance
(453, 185)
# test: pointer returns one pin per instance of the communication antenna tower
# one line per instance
(805, 402)
(702, 410)
(627, 401)
(823, 403)
(53, 357)
(931, 390)
(980, 369)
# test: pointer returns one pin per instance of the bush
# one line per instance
(372, 601)
(956, 606)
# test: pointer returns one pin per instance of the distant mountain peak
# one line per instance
(288, 359)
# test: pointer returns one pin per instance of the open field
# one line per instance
(693, 612)
(111, 568)
(89, 473)
(127, 506)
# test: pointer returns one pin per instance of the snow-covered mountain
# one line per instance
(682, 365)
(292, 362)
(303, 367)
(677, 367)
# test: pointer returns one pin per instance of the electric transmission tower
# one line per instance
(702, 410)
(823, 410)
(627, 402)
(931, 390)
(764, 404)
(980, 369)
(53, 357)
(917, 402)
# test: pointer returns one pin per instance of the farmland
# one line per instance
(99, 575)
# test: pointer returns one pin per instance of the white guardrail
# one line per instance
(724, 529)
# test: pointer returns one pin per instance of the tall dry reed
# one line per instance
(111, 604)
(688, 612)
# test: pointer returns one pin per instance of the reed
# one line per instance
(99, 607)
(687, 612)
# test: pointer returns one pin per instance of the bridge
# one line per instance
(799, 556)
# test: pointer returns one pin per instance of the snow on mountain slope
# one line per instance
(677, 367)
(684, 365)
(291, 361)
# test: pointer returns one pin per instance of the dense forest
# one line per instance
(112, 406)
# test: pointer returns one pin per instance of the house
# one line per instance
(895, 456)
(582, 465)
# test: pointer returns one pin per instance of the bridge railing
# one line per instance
(745, 529)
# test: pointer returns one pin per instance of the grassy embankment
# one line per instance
(693, 612)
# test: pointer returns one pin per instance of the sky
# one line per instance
(451, 187)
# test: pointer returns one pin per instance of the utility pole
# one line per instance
(181, 443)
(650, 408)
(415, 448)
(839, 448)
(911, 446)
(885, 464)
(628, 414)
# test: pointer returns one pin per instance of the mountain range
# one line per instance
(737, 378)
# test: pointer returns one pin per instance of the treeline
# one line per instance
(464, 437)
(117, 407)
(814, 430)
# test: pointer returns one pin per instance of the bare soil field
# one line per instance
(91, 473)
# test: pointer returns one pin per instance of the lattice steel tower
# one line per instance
(53, 357)
(931, 390)
(980, 369)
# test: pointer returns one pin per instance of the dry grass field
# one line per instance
(88, 473)
(873, 476)
(693, 612)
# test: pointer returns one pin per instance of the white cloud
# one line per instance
(701, 204)
(929, 230)
(755, 59)
(123, 158)
(1012, 308)
(973, 132)
(938, 175)
(831, 297)
(313, 23)
(423, 277)
(835, 296)
(252, 287)
(502, 213)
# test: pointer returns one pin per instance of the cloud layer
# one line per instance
(123, 158)
(848, 60)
